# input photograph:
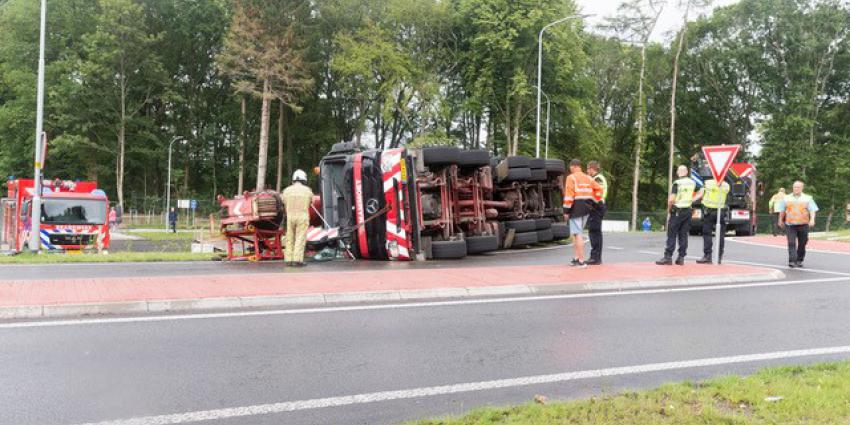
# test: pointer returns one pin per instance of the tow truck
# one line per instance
(73, 216)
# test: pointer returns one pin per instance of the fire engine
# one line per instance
(74, 216)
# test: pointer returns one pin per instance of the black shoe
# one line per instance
(704, 260)
(666, 261)
(720, 260)
(792, 264)
(593, 262)
(289, 263)
(799, 264)
(680, 261)
(574, 262)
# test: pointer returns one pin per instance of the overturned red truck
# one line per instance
(411, 204)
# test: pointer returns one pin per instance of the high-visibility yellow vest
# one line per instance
(685, 188)
(715, 195)
(604, 183)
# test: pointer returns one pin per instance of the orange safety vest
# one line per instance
(580, 191)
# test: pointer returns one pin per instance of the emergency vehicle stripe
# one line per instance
(358, 205)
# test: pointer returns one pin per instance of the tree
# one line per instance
(121, 71)
(262, 53)
(637, 19)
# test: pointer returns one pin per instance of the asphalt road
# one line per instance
(386, 364)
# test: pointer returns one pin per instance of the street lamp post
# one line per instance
(548, 110)
(168, 185)
(540, 75)
(35, 227)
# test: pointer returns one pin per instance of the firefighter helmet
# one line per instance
(299, 176)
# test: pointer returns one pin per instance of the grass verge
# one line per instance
(818, 394)
(123, 257)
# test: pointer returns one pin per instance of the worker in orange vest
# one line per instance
(581, 193)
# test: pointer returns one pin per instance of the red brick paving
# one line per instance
(99, 290)
(814, 244)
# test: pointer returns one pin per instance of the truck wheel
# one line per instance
(448, 249)
(560, 231)
(556, 166)
(538, 175)
(521, 226)
(517, 174)
(523, 239)
(743, 231)
(542, 223)
(440, 155)
(537, 164)
(518, 161)
(481, 244)
(546, 235)
(474, 158)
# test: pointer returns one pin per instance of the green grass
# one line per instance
(818, 394)
(164, 236)
(123, 257)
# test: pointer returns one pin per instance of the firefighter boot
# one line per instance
(706, 259)
(666, 261)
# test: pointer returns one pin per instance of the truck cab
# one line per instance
(740, 202)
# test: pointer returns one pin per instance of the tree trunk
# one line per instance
(242, 147)
(673, 99)
(290, 149)
(263, 155)
(638, 145)
(279, 182)
(119, 166)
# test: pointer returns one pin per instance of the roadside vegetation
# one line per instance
(123, 257)
(163, 236)
(800, 395)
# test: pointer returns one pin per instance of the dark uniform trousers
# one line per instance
(709, 223)
(798, 237)
(594, 231)
(677, 229)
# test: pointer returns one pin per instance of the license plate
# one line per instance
(741, 214)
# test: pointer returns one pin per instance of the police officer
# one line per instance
(594, 220)
(714, 201)
(297, 199)
(771, 205)
(679, 210)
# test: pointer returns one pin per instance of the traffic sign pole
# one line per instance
(719, 160)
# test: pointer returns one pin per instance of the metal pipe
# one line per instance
(35, 228)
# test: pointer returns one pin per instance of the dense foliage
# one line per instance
(124, 77)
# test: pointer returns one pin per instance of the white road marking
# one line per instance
(320, 310)
(375, 397)
(803, 269)
(615, 248)
(783, 247)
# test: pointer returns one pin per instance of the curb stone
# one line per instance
(332, 299)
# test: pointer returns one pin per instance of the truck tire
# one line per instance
(443, 250)
(440, 155)
(543, 223)
(517, 174)
(521, 226)
(560, 231)
(525, 238)
(546, 235)
(538, 175)
(537, 164)
(481, 244)
(744, 230)
(474, 158)
(556, 166)
(518, 161)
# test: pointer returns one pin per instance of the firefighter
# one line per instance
(797, 215)
(581, 193)
(679, 210)
(771, 206)
(594, 220)
(297, 199)
(714, 201)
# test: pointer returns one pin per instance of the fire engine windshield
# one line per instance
(73, 211)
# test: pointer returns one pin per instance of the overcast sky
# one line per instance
(670, 21)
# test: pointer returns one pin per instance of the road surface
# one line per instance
(386, 364)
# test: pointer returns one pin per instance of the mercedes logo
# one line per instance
(372, 206)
